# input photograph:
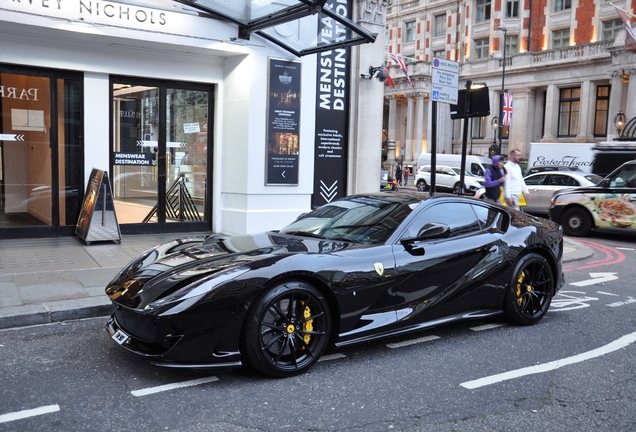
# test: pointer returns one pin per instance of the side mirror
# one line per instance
(430, 231)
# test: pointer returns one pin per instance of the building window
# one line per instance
(569, 106)
(610, 28)
(477, 127)
(440, 25)
(481, 48)
(483, 10)
(512, 9)
(560, 5)
(409, 31)
(561, 38)
(512, 45)
(602, 106)
(439, 54)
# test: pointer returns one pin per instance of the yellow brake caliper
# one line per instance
(308, 325)
(519, 282)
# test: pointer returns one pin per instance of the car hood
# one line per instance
(171, 266)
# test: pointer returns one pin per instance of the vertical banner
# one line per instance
(332, 109)
(283, 116)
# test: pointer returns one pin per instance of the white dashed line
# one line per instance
(47, 409)
(333, 356)
(623, 303)
(412, 342)
(606, 293)
(158, 389)
(545, 367)
(487, 327)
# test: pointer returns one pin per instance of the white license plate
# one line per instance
(120, 337)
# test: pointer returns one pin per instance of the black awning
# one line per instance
(291, 24)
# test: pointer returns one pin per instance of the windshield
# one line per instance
(355, 219)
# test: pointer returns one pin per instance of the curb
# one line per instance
(54, 312)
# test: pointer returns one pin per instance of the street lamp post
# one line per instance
(503, 81)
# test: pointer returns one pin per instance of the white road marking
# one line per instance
(625, 248)
(47, 409)
(545, 367)
(568, 300)
(487, 327)
(412, 342)
(623, 303)
(333, 356)
(596, 279)
(606, 293)
(162, 388)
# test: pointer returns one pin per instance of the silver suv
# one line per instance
(447, 178)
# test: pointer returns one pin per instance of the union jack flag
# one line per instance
(507, 109)
(398, 61)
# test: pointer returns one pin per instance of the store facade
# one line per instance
(168, 101)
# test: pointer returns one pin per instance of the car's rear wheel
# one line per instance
(577, 222)
(456, 189)
(422, 186)
(530, 291)
(287, 329)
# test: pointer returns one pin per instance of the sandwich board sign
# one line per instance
(97, 220)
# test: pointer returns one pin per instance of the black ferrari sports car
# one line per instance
(357, 269)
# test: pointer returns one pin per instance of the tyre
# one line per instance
(577, 222)
(422, 186)
(456, 189)
(530, 290)
(286, 330)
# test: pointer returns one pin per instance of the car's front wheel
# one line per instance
(286, 330)
(530, 291)
(576, 222)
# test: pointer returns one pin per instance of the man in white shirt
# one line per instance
(514, 185)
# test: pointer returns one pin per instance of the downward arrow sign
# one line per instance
(597, 278)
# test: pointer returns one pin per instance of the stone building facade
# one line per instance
(563, 61)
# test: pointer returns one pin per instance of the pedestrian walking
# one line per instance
(515, 185)
(494, 179)
(405, 176)
(398, 175)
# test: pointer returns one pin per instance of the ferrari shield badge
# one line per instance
(379, 268)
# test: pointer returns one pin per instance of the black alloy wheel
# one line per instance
(287, 329)
(576, 222)
(530, 291)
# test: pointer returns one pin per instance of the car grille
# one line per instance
(138, 325)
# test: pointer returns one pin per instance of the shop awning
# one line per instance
(291, 24)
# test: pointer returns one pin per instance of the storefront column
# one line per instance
(615, 102)
(584, 111)
(419, 126)
(390, 142)
(551, 113)
(521, 119)
(408, 142)
(365, 131)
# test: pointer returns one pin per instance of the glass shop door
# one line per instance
(160, 156)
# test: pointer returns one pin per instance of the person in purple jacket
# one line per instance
(494, 177)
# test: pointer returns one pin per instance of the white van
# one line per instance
(476, 165)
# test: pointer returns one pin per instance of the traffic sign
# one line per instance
(445, 81)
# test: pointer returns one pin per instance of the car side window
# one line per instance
(460, 218)
(558, 180)
(535, 180)
(476, 169)
(490, 218)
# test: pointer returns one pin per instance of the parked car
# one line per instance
(542, 168)
(609, 205)
(357, 269)
(386, 182)
(447, 179)
(543, 185)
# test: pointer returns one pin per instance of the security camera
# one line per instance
(365, 76)
(381, 76)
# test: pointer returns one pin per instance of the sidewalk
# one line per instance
(59, 279)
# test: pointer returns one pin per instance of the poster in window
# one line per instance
(283, 116)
